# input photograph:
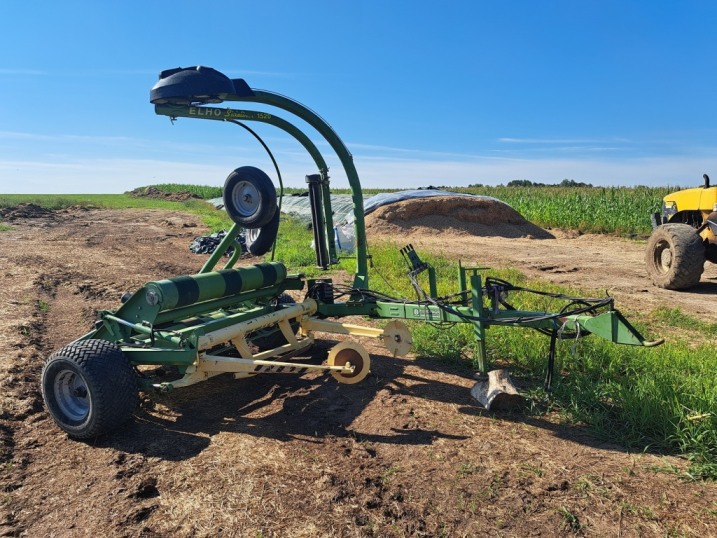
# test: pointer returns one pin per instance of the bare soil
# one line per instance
(407, 452)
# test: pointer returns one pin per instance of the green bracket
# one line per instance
(479, 326)
(614, 327)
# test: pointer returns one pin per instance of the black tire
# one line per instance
(249, 197)
(675, 256)
(260, 240)
(89, 388)
(272, 337)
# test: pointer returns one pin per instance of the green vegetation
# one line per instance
(206, 192)
(662, 399)
(609, 210)
(109, 201)
(203, 191)
(215, 220)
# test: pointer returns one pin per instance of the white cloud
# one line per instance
(509, 140)
(22, 72)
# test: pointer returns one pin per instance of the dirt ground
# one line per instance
(407, 452)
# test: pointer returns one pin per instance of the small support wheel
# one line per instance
(89, 388)
(675, 256)
(352, 353)
(397, 338)
(249, 197)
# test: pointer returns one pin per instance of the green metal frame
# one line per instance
(610, 325)
(163, 322)
(236, 321)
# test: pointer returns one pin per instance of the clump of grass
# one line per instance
(676, 318)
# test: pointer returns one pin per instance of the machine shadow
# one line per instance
(703, 288)
(179, 425)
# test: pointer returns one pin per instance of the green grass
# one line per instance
(109, 201)
(662, 399)
(214, 219)
(675, 318)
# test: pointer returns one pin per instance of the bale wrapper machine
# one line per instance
(241, 320)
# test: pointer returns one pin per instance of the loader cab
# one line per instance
(688, 206)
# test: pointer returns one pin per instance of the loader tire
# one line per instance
(89, 388)
(249, 197)
(675, 256)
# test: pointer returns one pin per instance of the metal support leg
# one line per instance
(477, 305)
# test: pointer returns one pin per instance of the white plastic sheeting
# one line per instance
(342, 204)
(343, 210)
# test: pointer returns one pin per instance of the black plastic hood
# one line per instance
(196, 85)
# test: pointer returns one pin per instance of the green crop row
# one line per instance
(608, 210)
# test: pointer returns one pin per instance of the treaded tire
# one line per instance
(270, 339)
(249, 197)
(260, 240)
(675, 256)
(89, 388)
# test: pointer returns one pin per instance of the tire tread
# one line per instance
(113, 380)
(688, 257)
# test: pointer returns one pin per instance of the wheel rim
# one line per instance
(72, 395)
(663, 256)
(246, 199)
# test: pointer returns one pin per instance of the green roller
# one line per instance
(189, 290)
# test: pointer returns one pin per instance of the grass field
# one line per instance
(662, 399)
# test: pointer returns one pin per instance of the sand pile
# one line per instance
(455, 215)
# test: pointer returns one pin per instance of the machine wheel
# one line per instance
(249, 197)
(275, 337)
(353, 353)
(89, 388)
(675, 256)
(260, 240)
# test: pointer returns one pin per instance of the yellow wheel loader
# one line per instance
(684, 235)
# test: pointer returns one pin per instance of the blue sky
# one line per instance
(422, 93)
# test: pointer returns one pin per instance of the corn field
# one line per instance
(607, 210)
